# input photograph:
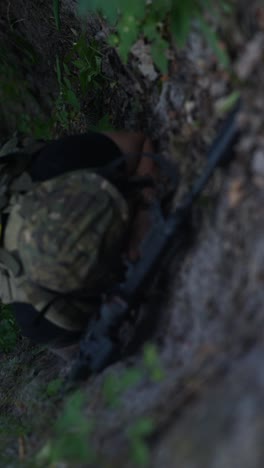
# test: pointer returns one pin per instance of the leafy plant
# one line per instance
(38, 127)
(8, 329)
(227, 103)
(67, 104)
(53, 387)
(79, 72)
(87, 60)
(11, 426)
(71, 436)
(152, 363)
(158, 21)
(103, 125)
(137, 434)
(114, 386)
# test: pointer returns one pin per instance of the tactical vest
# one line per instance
(85, 250)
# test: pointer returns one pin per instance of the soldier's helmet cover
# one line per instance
(72, 230)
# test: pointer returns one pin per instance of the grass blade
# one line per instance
(56, 12)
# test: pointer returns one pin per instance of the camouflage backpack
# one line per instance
(62, 241)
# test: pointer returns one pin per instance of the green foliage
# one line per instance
(56, 12)
(158, 50)
(53, 387)
(70, 441)
(8, 329)
(114, 386)
(158, 21)
(13, 88)
(214, 43)
(38, 127)
(77, 74)
(137, 434)
(11, 426)
(71, 436)
(227, 103)
(152, 363)
(27, 54)
(11, 430)
(67, 104)
(87, 60)
(18, 106)
(103, 125)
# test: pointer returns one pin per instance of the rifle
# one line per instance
(99, 346)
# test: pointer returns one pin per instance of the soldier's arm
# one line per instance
(136, 143)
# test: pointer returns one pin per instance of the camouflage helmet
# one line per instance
(72, 231)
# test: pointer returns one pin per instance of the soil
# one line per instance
(207, 411)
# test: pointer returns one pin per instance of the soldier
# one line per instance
(66, 219)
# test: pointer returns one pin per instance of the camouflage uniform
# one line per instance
(61, 242)
(8, 290)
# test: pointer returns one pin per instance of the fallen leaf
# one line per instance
(142, 52)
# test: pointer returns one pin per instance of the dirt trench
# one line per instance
(207, 411)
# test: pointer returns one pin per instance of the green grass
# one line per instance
(78, 73)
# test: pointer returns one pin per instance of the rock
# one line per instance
(258, 162)
(246, 63)
(142, 52)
